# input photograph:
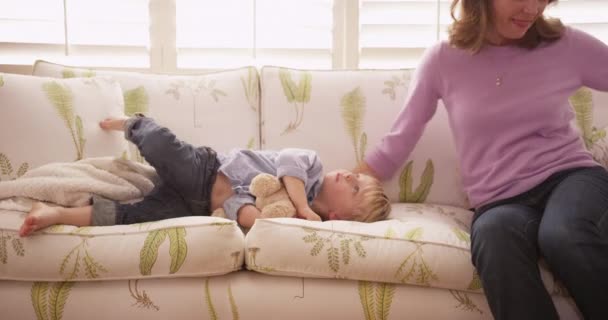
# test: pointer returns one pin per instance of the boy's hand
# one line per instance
(308, 214)
(116, 124)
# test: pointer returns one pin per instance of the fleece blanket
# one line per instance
(74, 183)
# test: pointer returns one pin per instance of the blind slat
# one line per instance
(287, 32)
(394, 33)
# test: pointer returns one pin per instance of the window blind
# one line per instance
(395, 33)
(232, 33)
(588, 15)
(79, 32)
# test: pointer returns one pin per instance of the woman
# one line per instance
(505, 76)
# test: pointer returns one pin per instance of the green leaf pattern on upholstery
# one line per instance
(209, 302)
(252, 264)
(16, 246)
(353, 112)
(178, 249)
(582, 103)
(423, 189)
(63, 100)
(136, 101)
(6, 169)
(195, 87)
(338, 247)
(142, 299)
(394, 84)
(49, 305)
(71, 264)
(464, 301)
(298, 94)
(251, 86)
(475, 282)
(376, 299)
(414, 268)
(70, 73)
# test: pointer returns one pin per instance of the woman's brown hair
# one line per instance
(469, 31)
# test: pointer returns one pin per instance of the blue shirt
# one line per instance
(242, 165)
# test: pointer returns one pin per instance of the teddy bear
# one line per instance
(271, 198)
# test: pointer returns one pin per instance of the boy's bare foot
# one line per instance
(117, 124)
(41, 216)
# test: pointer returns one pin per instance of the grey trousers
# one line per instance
(563, 220)
(186, 173)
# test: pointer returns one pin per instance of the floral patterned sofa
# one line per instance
(415, 265)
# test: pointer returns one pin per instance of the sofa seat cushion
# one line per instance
(181, 247)
(420, 244)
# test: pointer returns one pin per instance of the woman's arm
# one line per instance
(591, 56)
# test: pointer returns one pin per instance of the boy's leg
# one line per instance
(177, 163)
(504, 251)
(573, 237)
(42, 216)
(164, 202)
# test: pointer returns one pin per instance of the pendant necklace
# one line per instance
(500, 75)
(499, 80)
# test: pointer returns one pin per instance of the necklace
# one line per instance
(501, 74)
(499, 80)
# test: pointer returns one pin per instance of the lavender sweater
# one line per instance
(511, 137)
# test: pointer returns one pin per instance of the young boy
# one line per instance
(197, 181)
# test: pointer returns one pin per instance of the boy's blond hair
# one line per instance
(374, 205)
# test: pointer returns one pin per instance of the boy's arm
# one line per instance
(297, 194)
(247, 215)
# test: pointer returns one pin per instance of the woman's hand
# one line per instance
(364, 168)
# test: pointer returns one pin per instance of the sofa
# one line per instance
(414, 265)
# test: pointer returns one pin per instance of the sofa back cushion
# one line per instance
(218, 109)
(342, 114)
(591, 118)
(47, 120)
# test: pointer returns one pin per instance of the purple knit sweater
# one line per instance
(509, 137)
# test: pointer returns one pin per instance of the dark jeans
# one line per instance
(186, 175)
(565, 221)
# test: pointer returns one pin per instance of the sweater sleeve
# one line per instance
(419, 108)
(591, 56)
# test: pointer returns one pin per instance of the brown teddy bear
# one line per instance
(271, 198)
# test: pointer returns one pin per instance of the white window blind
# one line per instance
(395, 33)
(231, 33)
(79, 32)
(588, 15)
(182, 35)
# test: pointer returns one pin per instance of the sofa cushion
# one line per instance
(47, 120)
(218, 109)
(181, 247)
(420, 244)
(342, 114)
(591, 119)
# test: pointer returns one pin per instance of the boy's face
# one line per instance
(344, 192)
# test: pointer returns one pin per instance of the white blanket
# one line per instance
(73, 183)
